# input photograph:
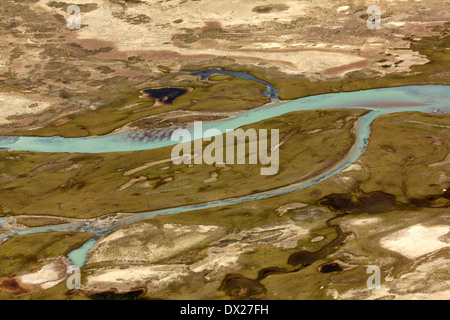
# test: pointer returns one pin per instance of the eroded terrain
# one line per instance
(119, 73)
(50, 73)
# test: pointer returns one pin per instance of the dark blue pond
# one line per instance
(165, 95)
(206, 74)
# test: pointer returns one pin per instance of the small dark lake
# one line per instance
(165, 95)
(330, 267)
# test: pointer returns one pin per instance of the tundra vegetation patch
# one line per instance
(149, 227)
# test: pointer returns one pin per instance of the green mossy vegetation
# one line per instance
(44, 185)
(25, 252)
(228, 96)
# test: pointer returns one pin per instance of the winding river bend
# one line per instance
(426, 98)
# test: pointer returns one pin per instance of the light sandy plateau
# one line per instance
(417, 240)
(137, 256)
(266, 29)
(318, 40)
(19, 104)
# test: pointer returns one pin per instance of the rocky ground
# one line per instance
(389, 209)
(48, 71)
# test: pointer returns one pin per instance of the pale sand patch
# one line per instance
(409, 58)
(47, 277)
(308, 62)
(396, 23)
(225, 256)
(213, 178)
(168, 179)
(290, 206)
(70, 168)
(363, 221)
(352, 167)
(131, 182)
(317, 239)
(124, 279)
(18, 104)
(283, 236)
(429, 281)
(441, 163)
(129, 106)
(313, 131)
(428, 124)
(145, 185)
(342, 8)
(416, 241)
(346, 182)
(220, 258)
(124, 246)
(146, 243)
(155, 163)
(146, 166)
(198, 228)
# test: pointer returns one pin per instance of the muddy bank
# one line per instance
(379, 202)
(111, 295)
(374, 202)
